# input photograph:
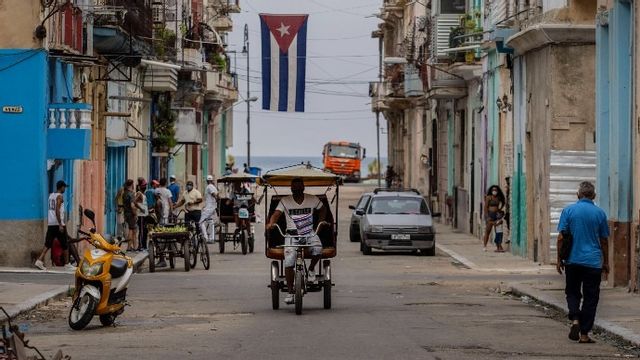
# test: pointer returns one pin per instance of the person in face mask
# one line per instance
(493, 203)
(192, 201)
(299, 209)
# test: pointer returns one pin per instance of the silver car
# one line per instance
(397, 220)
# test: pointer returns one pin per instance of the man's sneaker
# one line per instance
(289, 299)
(312, 276)
(161, 264)
(70, 267)
(40, 265)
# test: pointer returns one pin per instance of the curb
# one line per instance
(601, 325)
(471, 265)
(58, 293)
(37, 301)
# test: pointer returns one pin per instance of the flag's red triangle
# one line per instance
(284, 28)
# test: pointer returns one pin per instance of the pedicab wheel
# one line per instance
(204, 255)
(193, 254)
(186, 250)
(107, 319)
(298, 295)
(172, 261)
(275, 295)
(252, 242)
(327, 294)
(82, 311)
(152, 257)
(243, 242)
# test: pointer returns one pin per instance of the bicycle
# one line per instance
(301, 275)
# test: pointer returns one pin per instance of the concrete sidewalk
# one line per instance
(20, 297)
(618, 310)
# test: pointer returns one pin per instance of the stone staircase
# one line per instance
(568, 169)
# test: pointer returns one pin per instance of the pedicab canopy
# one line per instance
(312, 176)
(239, 177)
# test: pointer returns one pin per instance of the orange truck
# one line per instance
(343, 158)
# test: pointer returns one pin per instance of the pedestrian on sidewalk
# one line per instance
(56, 228)
(493, 203)
(130, 214)
(141, 203)
(164, 197)
(120, 221)
(588, 259)
(174, 188)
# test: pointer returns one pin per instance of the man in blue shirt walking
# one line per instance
(588, 226)
(174, 188)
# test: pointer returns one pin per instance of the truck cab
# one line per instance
(343, 158)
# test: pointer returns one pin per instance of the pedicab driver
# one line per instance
(298, 209)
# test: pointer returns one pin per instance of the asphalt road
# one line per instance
(386, 306)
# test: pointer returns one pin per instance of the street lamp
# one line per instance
(245, 50)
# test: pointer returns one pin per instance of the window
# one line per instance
(344, 151)
(363, 202)
(398, 206)
(452, 6)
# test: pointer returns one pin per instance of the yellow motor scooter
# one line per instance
(102, 279)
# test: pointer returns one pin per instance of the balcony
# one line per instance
(160, 76)
(222, 23)
(192, 57)
(188, 126)
(69, 131)
(225, 6)
(133, 16)
(445, 85)
(221, 85)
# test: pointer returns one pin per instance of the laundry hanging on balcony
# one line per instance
(284, 56)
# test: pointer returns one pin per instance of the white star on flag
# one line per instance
(284, 30)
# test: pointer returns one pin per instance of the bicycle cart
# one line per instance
(169, 241)
(276, 240)
(243, 235)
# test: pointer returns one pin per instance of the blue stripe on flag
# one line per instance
(266, 65)
(302, 60)
(284, 82)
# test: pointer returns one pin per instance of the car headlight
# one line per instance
(91, 270)
(376, 228)
(426, 229)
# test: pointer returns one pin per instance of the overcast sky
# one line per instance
(340, 50)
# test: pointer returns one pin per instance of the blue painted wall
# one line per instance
(613, 113)
(24, 82)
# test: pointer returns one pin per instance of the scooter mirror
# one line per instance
(90, 215)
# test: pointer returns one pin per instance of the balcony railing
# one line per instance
(70, 116)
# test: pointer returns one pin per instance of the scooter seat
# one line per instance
(118, 267)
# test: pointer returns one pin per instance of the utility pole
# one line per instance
(246, 51)
(378, 108)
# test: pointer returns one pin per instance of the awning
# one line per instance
(238, 177)
(121, 143)
(312, 176)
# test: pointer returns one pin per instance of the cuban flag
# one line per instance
(284, 55)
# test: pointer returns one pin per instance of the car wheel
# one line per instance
(353, 236)
(429, 251)
(365, 249)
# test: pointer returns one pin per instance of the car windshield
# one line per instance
(343, 151)
(398, 205)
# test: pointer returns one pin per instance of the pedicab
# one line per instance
(322, 184)
(233, 186)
